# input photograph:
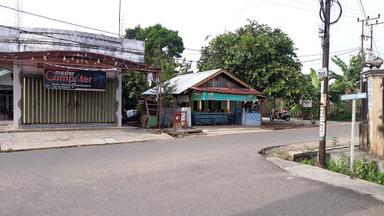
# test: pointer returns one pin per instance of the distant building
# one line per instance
(60, 78)
(216, 97)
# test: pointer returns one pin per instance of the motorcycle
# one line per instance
(285, 115)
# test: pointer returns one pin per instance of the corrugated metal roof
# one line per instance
(184, 82)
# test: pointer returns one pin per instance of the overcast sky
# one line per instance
(195, 20)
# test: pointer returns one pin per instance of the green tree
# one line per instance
(134, 83)
(162, 46)
(345, 82)
(262, 56)
(348, 80)
(311, 91)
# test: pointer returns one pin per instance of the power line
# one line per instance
(192, 49)
(70, 23)
(287, 5)
(354, 10)
(317, 59)
(56, 20)
(336, 53)
(365, 22)
(300, 8)
(360, 3)
(318, 54)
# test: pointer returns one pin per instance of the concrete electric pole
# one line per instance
(326, 10)
(371, 35)
(364, 22)
(325, 16)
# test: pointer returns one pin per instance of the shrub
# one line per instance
(340, 165)
(309, 161)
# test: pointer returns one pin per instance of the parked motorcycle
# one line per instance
(284, 114)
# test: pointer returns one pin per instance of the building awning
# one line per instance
(75, 59)
(222, 96)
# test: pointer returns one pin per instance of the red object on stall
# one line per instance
(180, 119)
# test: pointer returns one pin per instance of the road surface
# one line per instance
(222, 175)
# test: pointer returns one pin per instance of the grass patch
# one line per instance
(281, 153)
(309, 161)
(363, 169)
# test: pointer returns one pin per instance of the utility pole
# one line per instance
(363, 104)
(324, 83)
(371, 28)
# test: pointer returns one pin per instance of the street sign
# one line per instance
(354, 96)
(321, 73)
(307, 103)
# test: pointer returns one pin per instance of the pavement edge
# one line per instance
(329, 177)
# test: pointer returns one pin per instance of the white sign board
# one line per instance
(322, 130)
(370, 94)
(321, 73)
(354, 96)
(307, 103)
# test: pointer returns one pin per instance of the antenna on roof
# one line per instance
(120, 22)
(18, 13)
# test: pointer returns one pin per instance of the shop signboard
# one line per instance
(81, 80)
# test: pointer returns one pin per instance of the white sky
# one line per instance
(195, 20)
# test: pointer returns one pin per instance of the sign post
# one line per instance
(304, 104)
(353, 97)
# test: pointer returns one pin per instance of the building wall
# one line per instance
(44, 39)
(375, 111)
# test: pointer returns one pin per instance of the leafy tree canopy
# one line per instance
(262, 56)
(162, 46)
(348, 80)
(158, 40)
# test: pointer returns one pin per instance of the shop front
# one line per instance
(68, 97)
(225, 108)
(63, 78)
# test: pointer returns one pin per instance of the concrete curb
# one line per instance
(329, 177)
(63, 129)
(77, 145)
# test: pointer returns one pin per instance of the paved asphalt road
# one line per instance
(221, 175)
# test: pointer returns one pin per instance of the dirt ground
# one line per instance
(280, 125)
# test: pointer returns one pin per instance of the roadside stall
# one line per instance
(216, 97)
